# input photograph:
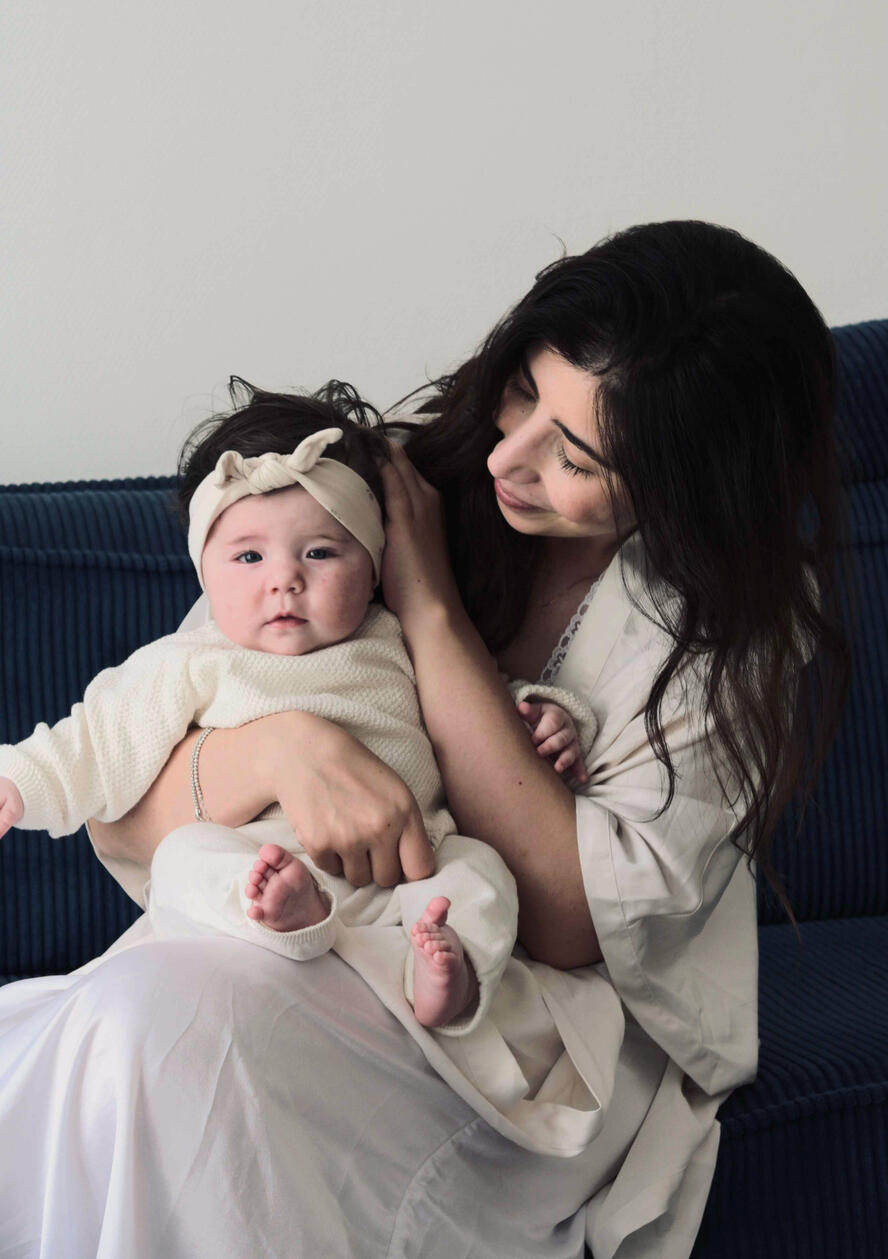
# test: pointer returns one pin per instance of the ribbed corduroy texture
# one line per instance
(803, 1164)
(839, 866)
(87, 573)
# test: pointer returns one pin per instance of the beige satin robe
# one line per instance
(673, 903)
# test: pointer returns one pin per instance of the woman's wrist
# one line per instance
(427, 619)
(244, 769)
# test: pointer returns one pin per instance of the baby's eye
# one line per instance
(320, 553)
(248, 557)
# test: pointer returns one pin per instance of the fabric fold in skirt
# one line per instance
(181, 1098)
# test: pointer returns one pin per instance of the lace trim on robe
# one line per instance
(553, 664)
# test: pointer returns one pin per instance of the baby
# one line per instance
(285, 528)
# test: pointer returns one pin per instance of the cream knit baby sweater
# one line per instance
(100, 761)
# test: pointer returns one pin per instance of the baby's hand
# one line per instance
(554, 735)
(11, 805)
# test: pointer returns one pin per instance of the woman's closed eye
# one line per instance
(573, 468)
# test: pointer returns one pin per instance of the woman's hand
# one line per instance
(353, 815)
(416, 572)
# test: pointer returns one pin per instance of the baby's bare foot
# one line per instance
(283, 892)
(444, 982)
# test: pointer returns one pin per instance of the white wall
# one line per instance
(294, 189)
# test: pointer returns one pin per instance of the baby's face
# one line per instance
(283, 576)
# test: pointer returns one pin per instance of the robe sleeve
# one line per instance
(671, 897)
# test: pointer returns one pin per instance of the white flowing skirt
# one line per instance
(187, 1098)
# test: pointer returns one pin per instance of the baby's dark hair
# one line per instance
(262, 421)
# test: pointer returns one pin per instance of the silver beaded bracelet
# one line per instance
(197, 799)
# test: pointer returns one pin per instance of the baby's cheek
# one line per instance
(233, 622)
(345, 603)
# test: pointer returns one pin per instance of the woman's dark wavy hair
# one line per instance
(263, 421)
(715, 408)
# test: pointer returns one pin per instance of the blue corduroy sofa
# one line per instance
(90, 570)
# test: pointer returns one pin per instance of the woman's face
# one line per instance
(548, 477)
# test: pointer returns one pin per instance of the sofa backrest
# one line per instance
(838, 868)
(88, 572)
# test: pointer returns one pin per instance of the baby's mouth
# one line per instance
(287, 618)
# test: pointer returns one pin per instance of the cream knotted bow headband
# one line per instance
(340, 491)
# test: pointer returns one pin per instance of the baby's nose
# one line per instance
(288, 577)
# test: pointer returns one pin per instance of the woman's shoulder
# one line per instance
(634, 599)
(642, 588)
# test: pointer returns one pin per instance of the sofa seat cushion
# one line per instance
(823, 1019)
(803, 1163)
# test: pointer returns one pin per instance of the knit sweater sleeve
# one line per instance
(101, 759)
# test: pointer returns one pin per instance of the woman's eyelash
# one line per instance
(572, 468)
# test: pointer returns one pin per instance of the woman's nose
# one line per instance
(513, 458)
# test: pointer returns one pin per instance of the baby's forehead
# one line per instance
(291, 509)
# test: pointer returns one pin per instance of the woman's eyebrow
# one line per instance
(581, 445)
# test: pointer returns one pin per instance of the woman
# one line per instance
(639, 502)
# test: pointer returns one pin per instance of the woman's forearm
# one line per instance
(350, 811)
(498, 788)
(232, 780)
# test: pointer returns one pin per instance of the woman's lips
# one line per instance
(509, 500)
